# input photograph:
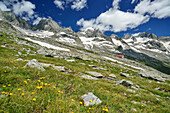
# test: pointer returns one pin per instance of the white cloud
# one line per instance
(79, 4)
(133, 1)
(75, 4)
(116, 4)
(35, 22)
(157, 9)
(3, 7)
(114, 20)
(59, 4)
(24, 7)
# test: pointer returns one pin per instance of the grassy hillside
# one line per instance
(24, 89)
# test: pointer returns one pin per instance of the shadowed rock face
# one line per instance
(47, 24)
(155, 63)
(10, 17)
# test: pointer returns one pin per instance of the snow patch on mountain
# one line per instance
(47, 45)
(113, 60)
(39, 34)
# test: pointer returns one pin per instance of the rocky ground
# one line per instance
(41, 79)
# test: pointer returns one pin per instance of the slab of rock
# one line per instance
(95, 74)
(35, 64)
(71, 60)
(131, 90)
(90, 99)
(46, 65)
(124, 74)
(88, 77)
(125, 83)
(19, 59)
(113, 76)
(96, 67)
(59, 68)
(151, 75)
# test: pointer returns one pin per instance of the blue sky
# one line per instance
(110, 16)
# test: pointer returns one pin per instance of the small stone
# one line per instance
(90, 99)
(125, 83)
(130, 90)
(95, 74)
(133, 109)
(113, 76)
(124, 74)
(35, 64)
(19, 59)
(88, 77)
(60, 68)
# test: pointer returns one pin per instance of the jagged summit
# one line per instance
(47, 24)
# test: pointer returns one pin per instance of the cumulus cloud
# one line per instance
(75, 4)
(24, 7)
(79, 4)
(157, 9)
(114, 20)
(116, 4)
(3, 7)
(59, 4)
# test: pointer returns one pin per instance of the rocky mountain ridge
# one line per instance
(145, 47)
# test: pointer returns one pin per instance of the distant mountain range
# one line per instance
(145, 47)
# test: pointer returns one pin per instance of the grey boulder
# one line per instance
(90, 99)
(35, 64)
(95, 74)
(88, 77)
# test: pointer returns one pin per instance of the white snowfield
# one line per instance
(113, 60)
(139, 44)
(117, 42)
(47, 45)
(66, 40)
(90, 42)
(39, 34)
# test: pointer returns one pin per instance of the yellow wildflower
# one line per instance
(3, 92)
(59, 100)
(9, 85)
(90, 100)
(28, 79)
(34, 99)
(42, 83)
(10, 94)
(4, 85)
(5, 71)
(38, 87)
(48, 84)
(81, 102)
(19, 89)
(142, 105)
(89, 108)
(72, 100)
(32, 93)
(81, 84)
(38, 73)
(108, 91)
(45, 84)
(41, 87)
(38, 80)
(58, 91)
(54, 87)
(25, 82)
(2, 75)
(22, 94)
(6, 93)
(88, 111)
(62, 92)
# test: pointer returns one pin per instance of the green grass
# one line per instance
(61, 92)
